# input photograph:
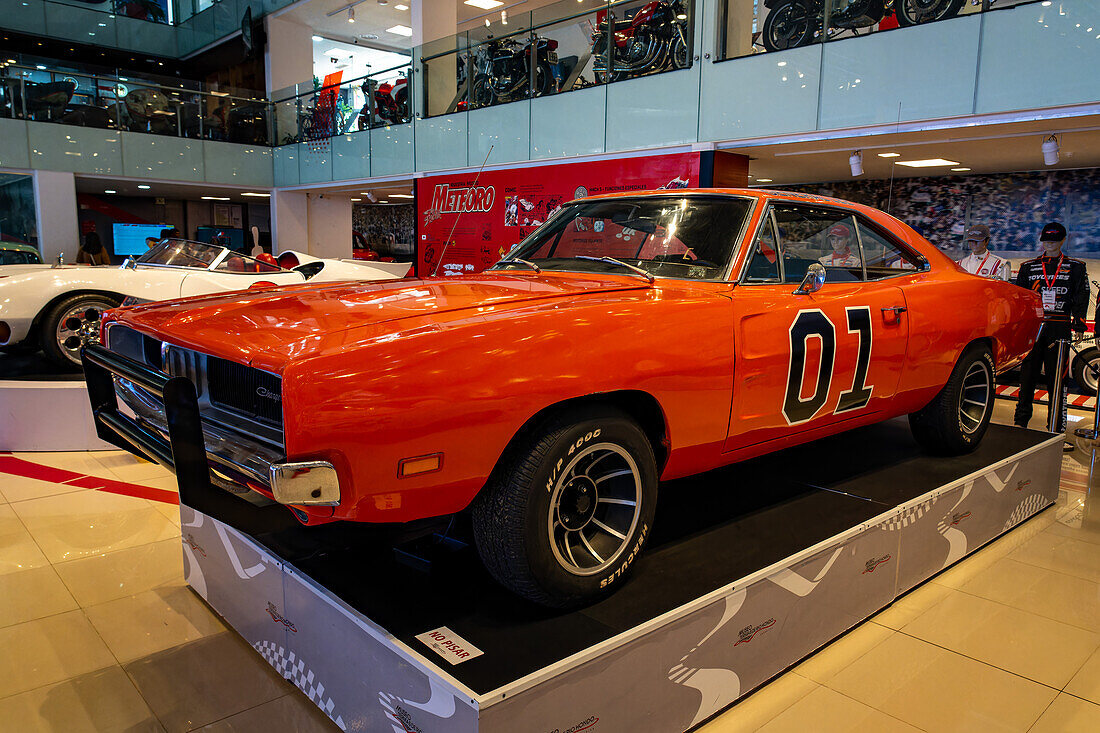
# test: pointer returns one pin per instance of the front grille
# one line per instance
(251, 392)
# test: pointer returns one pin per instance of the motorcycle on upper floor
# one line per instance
(794, 23)
(654, 39)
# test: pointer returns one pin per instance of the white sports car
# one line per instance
(57, 306)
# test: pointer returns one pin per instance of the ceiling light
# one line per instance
(143, 187)
(250, 193)
(483, 4)
(110, 190)
(929, 163)
(351, 15)
(1050, 150)
(357, 199)
(400, 30)
(215, 198)
(401, 195)
(889, 155)
(504, 17)
(318, 38)
(40, 68)
(400, 6)
(960, 170)
(763, 180)
(855, 161)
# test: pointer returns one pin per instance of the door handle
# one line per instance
(897, 310)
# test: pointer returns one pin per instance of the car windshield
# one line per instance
(181, 253)
(19, 257)
(674, 236)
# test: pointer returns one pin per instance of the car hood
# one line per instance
(267, 328)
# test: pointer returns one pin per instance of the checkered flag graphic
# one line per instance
(294, 669)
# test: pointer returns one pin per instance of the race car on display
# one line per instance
(57, 307)
(632, 338)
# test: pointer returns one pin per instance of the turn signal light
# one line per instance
(419, 465)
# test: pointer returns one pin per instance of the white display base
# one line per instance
(47, 416)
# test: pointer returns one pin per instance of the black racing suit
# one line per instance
(1070, 284)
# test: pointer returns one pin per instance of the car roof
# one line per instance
(751, 192)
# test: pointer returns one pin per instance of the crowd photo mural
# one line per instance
(1014, 206)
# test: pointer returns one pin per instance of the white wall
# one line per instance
(329, 225)
(55, 207)
(290, 221)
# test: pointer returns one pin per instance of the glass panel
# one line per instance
(383, 98)
(809, 234)
(882, 257)
(648, 37)
(18, 223)
(567, 52)
(764, 264)
(499, 60)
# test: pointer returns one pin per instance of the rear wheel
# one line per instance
(565, 516)
(1082, 373)
(954, 422)
(72, 322)
(914, 12)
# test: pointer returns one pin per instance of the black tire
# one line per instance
(954, 422)
(52, 331)
(481, 94)
(790, 26)
(1084, 377)
(545, 83)
(536, 516)
(678, 55)
(916, 12)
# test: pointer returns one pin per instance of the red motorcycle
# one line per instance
(653, 39)
(390, 103)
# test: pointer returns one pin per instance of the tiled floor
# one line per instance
(99, 633)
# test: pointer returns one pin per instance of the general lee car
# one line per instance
(630, 339)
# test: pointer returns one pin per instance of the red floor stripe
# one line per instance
(28, 469)
(1079, 400)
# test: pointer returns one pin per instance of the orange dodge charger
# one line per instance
(631, 338)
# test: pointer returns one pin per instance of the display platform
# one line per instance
(749, 569)
(44, 407)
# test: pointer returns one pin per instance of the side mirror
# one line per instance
(815, 278)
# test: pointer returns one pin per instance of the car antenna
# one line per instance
(435, 270)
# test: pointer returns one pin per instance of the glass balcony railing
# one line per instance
(748, 27)
(51, 93)
(557, 48)
(334, 106)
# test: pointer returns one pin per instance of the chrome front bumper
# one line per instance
(159, 420)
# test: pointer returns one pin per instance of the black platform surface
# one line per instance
(24, 364)
(710, 530)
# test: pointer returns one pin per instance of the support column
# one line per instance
(289, 221)
(288, 60)
(329, 225)
(56, 214)
(433, 20)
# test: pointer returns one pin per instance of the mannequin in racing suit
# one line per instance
(840, 239)
(1064, 287)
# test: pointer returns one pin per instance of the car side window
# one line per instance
(884, 257)
(810, 234)
(763, 264)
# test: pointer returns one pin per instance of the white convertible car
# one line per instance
(57, 306)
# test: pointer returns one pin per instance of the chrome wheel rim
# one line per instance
(594, 508)
(974, 397)
(1088, 379)
(86, 330)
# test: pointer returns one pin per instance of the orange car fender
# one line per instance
(462, 387)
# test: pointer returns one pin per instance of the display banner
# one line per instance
(507, 205)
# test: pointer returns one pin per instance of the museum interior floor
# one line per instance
(99, 633)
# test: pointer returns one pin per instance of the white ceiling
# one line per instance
(371, 19)
(1000, 148)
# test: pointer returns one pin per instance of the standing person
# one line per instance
(1064, 287)
(981, 261)
(92, 252)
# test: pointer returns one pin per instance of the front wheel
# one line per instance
(915, 12)
(954, 422)
(71, 323)
(567, 513)
(790, 26)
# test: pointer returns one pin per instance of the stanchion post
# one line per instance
(1053, 419)
(1094, 432)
